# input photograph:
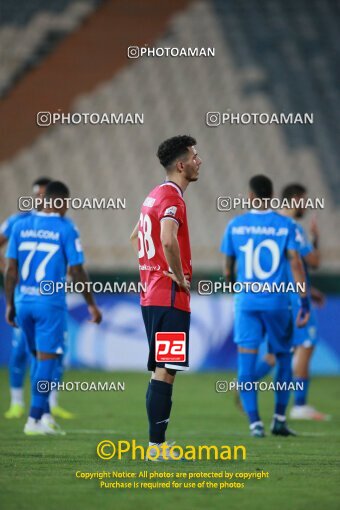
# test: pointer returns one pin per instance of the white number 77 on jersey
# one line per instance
(32, 247)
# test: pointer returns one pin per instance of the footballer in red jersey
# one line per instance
(161, 240)
(165, 202)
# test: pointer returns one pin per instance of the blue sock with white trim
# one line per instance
(246, 374)
(41, 383)
(263, 368)
(301, 393)
(283, 378)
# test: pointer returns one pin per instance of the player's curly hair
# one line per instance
(173, 148)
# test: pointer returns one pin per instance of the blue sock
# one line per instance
(47, 409)
(300, 396)
(263, 368)
(59, 370)
(18, 361)
(33, 368)
(43, 372)
(57, 378)
(158, 406)
(283, 375)
(246, 373)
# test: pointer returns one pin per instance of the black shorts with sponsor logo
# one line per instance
(165, 319)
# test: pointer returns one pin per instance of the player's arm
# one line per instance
(11, 278)
(299, 276)
(79, 274)
(312, 259)
(134, 238)
(169, 230)
(317, 296)
(75, 261)
(3, 241)
(227, 248)
(229, 269)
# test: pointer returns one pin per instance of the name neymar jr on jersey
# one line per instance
(259, 230)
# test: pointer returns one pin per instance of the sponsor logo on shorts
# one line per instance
(170, 347)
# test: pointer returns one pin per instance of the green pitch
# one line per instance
(39, 472)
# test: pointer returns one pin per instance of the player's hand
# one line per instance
(318, 297)
(304, 313)
(302, 318)
(183, 284)
(96, 314)
(10, 314)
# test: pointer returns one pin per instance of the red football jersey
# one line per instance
(164, 201)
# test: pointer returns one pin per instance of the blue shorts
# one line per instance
(308, 335)
(252, 327)
(165, 319)
(44, 326)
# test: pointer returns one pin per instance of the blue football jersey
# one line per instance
(7, 226)
(44, 245)
(259, 241)
(304, 247)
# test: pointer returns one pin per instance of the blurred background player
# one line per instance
(304, 339)
(41, 247)
(161, 240)
(20, 356)
(263, 243)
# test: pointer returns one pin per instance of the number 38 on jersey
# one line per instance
(146, 244)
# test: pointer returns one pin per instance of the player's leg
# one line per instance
(17, 370)
(53, 397)
(264, 366)
(302, 357)
(248, 336)
(26, 321)
(41, 382)
(283, 378)
(304, 341)
(246, 377)
(49, 326)
(160, 387)
(159, 403)
(33, 365)
(301, 410)
(279, 327)
(303, 350)
(159, 390)
(56, 410)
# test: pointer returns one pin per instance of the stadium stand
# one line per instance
(266, 60)
(30, 30)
